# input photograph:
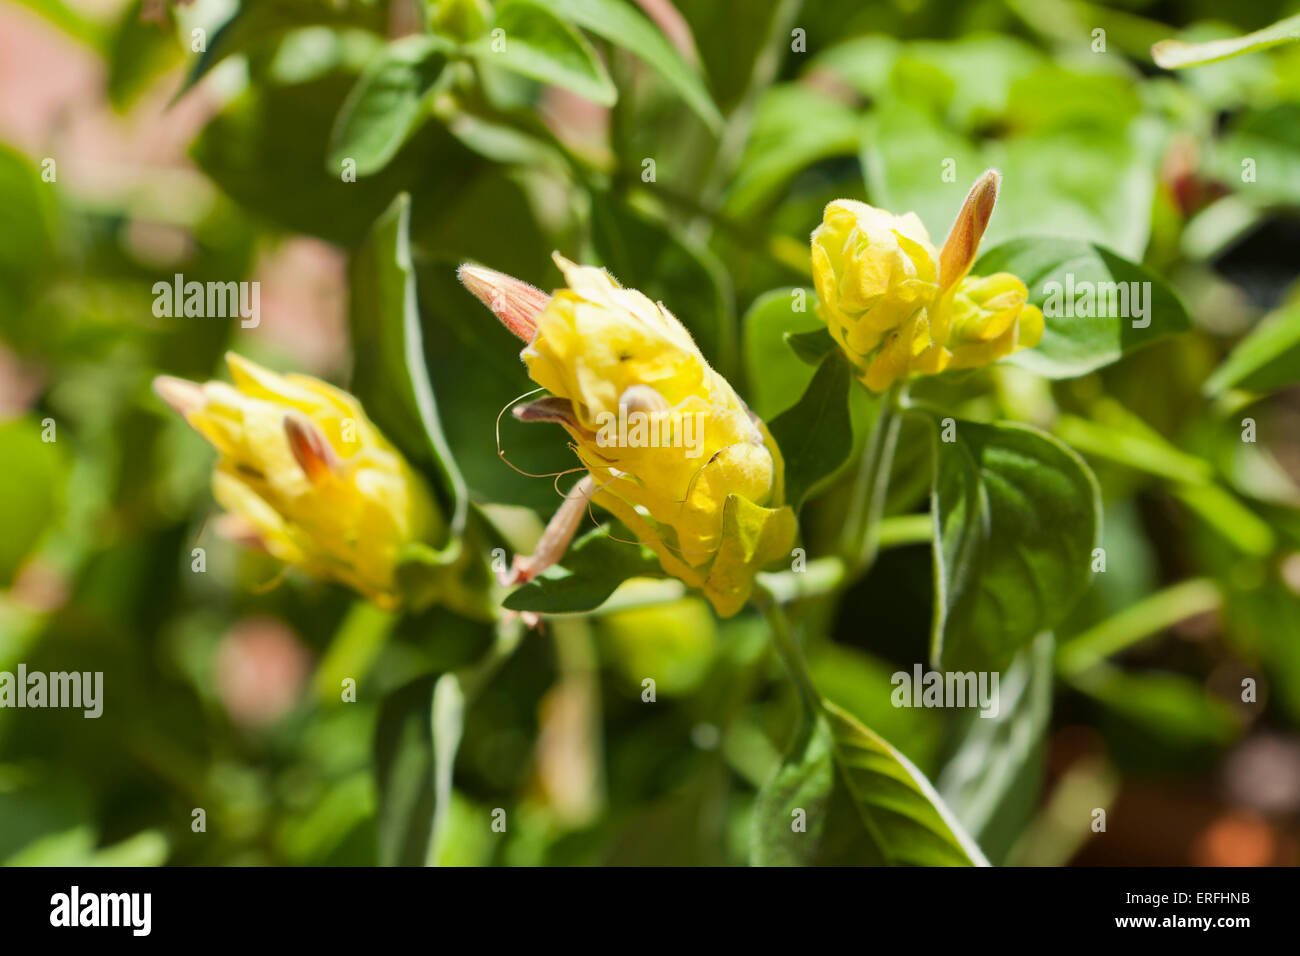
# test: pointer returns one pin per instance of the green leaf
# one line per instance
(1267, 358)
(390, 377)
(731, 37)
(1062, 276)
(621, 24)
(863, 62)
(385, 106)
(33, 478)
(795, 127)
(292, 123)
(862, 684)
(261, 23)
(991, 782)
(1138, 621)
(146, 848)
(1260, 623)
(902, 152)
(76, 847)
(861, 803)
(404, 773)
(815, 435)
(538, 44)
(774, 378)
(1076, 160)
(1016, 519)
(1177, 709)
(1175, 54)
(447, 728)
(474, 361)
(811, 347)
(418, 734)
(593, 568)
(1122, 437)
(139, 52)
(27, 241)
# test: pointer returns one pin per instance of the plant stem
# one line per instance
(788, 650)
(898, 530)
(821, 576)
(862, 528)
(1149, 616)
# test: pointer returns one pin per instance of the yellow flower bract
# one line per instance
(713, 512)
(344, 510)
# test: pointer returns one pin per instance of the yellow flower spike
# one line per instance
(899, 308)
(875, 273)
(304, 474)
(670, 448)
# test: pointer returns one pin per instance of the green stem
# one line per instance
(821, 576)
(862, 529)
(353, 650)
(789, 651)
(1149, 616)
(898, 530)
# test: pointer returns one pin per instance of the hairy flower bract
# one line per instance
(712, 507)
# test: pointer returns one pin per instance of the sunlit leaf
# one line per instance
(991, 781)
(845, 797)
(1017, 517)
(815, 435)
(1176, 54)
(1096, 304)
(384, 107)
(530, 40)
(619, 23)
(390, 376)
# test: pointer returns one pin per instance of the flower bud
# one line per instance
(514, 302)
(304, 473)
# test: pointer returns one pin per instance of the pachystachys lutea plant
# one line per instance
(670, 449)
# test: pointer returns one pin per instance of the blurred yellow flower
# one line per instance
(304, 474)
(671, 449)
(898, 307)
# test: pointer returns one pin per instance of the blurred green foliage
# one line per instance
(691, 155)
